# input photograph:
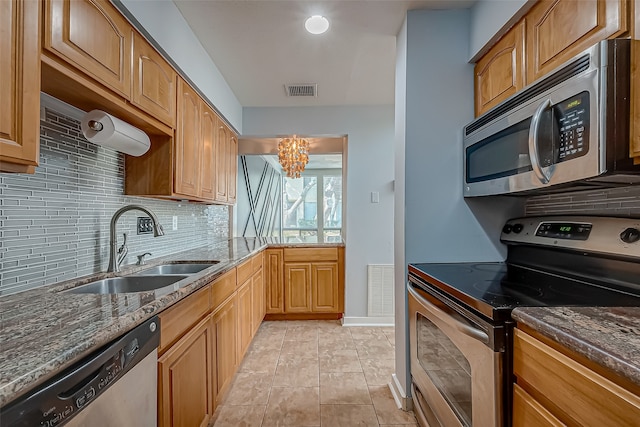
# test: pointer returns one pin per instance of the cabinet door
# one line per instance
(225, 329)
(500, 72)
(207, 162)
(559, 29)
(19, 85)
(527, 412)
(324, 287)
(188, 144)
(634, 146)
(232, 173)
(257, 300)
(185, 380)
(297, 288)
(274, 298)
(154, 82)
(93, 36)
(245, 318)
(222, 162)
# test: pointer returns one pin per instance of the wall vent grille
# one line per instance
(307, 89)
(381, 296)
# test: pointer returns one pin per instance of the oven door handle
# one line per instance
(472, 332)
(543, 176)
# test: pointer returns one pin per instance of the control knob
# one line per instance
(630, 235)
(517, 228)
(506, 229)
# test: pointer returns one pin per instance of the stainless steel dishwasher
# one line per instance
(113, 387)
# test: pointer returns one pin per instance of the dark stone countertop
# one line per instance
(608, 336)
(44, 330)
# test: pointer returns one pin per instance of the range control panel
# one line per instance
(608, 235)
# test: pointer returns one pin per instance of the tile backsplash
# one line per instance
(54, 225)
(622, 201)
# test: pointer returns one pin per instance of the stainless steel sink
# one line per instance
(165, 269)
(118, 285)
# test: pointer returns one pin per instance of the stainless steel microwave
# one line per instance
(566, 131)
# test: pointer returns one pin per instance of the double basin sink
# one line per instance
(147, 280)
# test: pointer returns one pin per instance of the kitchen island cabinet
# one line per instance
(19, 86)
(576, 366)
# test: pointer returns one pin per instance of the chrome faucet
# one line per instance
(114, 259)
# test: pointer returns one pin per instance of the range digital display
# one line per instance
(569, 231)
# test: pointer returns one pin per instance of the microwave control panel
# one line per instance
(572, 116)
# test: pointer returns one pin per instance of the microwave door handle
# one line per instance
(472, 332)
(541, 174)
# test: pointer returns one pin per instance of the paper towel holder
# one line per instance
(100, 127)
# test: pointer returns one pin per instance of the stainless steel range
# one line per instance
(460, 313)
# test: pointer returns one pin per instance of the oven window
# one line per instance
(446, 366)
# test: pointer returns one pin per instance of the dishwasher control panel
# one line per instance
(58, 400)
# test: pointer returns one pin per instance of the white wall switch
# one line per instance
(375, 197)
(175, 223)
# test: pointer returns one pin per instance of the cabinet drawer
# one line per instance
(582, 394)
(224, 286)
(310, 254)
(245, 271)
(256, 262)
(528, 412)
(177, 320)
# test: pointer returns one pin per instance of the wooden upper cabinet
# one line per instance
(94, 36)
(207, 162)
(232, 172)
(154, 82)
(500, 72)
(187, 143)
(19, 85)
(223, 145)
(557, 30)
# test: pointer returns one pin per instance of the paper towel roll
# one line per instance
(114, 133)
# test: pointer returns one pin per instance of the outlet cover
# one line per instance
(144, 225)
(175, 223)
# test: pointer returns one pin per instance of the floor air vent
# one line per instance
(381, 298)
(301, 89)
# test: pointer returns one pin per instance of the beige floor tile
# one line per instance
(339, 361)
(399, 425)
(335, 343)
(348, 416)
(293, 324)
(299, 334)
(378, 371)
(341, 388)
(307, 349)
(386, 409)
(266, 343)
(293, 406)
(297, 372)
(366, 333)
(273, 324)
(260, 361)
(378, 349)
(334, 333)
(238, 416)
(329, 325)
(249, 388)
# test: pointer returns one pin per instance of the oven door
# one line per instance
(458, 376)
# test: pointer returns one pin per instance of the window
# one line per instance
(312, 207)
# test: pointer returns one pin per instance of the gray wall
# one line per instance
(433, 102)
(369, 227)
(268, 202)
(54, 225)
(489, 16)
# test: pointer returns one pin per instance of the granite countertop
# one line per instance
(44, 330)
(609, 336)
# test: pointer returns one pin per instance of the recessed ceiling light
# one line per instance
(316, 24)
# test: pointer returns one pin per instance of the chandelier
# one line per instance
(293, 155)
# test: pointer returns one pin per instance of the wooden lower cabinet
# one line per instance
(258, 312)
(324, 287)
(245, 317)
(554, 387)
(273, 277)
(297, 288)
(225, 330)
(186, 378)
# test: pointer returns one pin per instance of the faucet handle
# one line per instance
(141, 258)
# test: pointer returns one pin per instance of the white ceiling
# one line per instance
(260, 45)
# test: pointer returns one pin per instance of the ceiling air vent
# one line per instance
(301, 90)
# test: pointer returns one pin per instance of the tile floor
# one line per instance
(314, 373)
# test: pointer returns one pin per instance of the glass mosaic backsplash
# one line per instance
(54, 225)
(622, 201)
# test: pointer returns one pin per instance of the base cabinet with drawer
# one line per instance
(304, 283)
(554, 388)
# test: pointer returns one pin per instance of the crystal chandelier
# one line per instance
(293, 155)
